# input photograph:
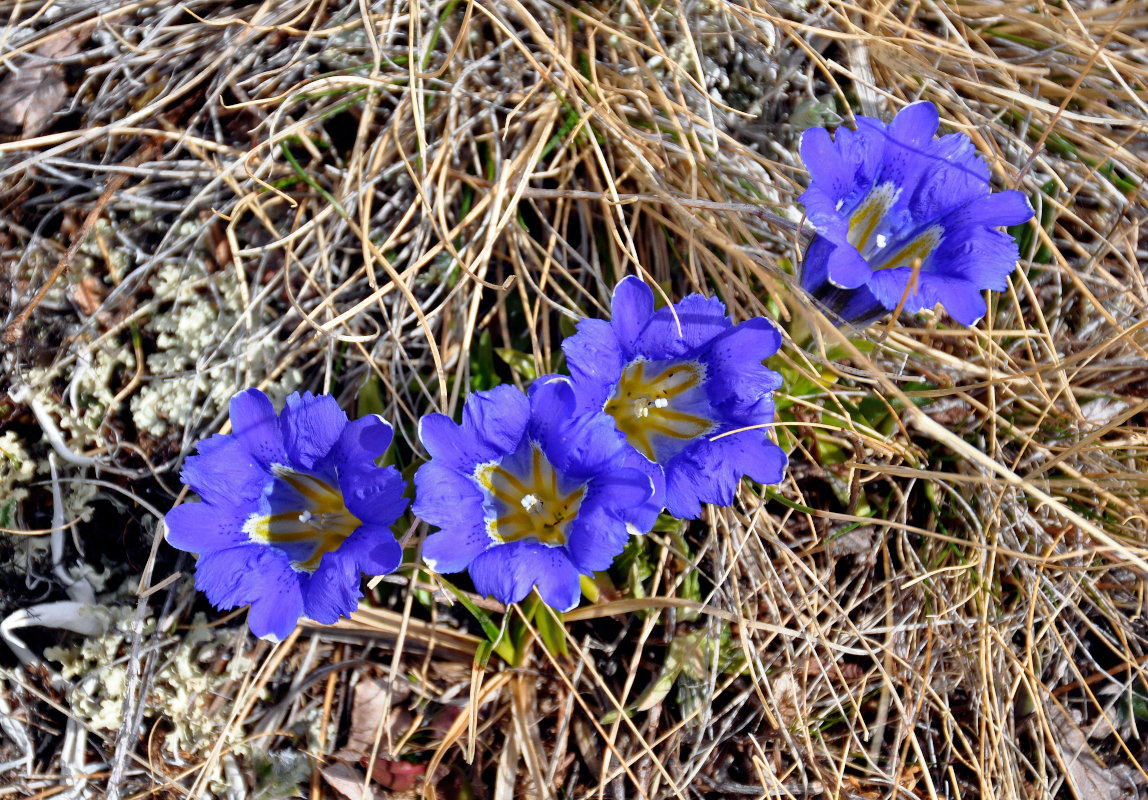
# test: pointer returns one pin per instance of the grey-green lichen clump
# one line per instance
(200, 668)
(198, 328)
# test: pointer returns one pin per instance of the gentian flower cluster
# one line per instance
(294, 510)
(663, 408)
(687, 388)
(903, 217)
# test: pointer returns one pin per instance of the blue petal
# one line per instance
(576, 445)
(556, 578)
(239, 575)
(225, 473)
(630, 310)
(962, 299)
(584, 446)
(333, 590)
(453, 503)
(824, 215)
(496, 573)
(552, 406)
(737, 383)
(847, 177)
(954, 174)
(905, 158)
(853, 306)
(497, 418)
(701, 319)
(202, 528)
(311, 427)
(645, 515)
(595, 360)
(710, 471)
(373, 549)
(362, 442)
(814, 273)
(615, 506)
(276, 611)
(508, 572)
(964, 302)
(255, 424)
(1001, 208)
(373, 494)
(827, 168)
(445, 442)
(847, 268)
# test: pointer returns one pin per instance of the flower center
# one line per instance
(883, 243)
(660, 414)
(526, 501)
(313, 522)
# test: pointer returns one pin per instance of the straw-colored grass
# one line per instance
(945, 597)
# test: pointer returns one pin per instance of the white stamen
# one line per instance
(882, 240)
(305, 517)
(661, 402)
(530, 503)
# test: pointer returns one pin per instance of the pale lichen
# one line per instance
(16, 469)
(201, 356)
(191, 691)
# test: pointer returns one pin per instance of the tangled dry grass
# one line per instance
(400, 203)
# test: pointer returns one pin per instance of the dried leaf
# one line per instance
(88, 294)
(31, 94)
(1087, 775)
(347, 781)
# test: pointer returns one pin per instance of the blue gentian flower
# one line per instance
(529, 494)
(692, 401)
(294, 510)
(900, 214)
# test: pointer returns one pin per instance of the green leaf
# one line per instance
(370, 399)
(495, 634)
(552, 630)
(521, 363)
(482, 374)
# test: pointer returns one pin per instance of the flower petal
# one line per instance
(710, 471)
(333, 590)
(508, 572)
(595, 359)
(362, 441)
(496, 573)
(556, 578)
(630, 310)
(445, 441)
(700, 320)
(276, 611)
(737, 383)
(225, 473)
(239, 575)
(615, 506)
(453, 503)
(497, 418)
(373, 549)
(311, 427)
(373, 494)
(202, 527)
(255, 424)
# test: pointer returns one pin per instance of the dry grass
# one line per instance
(945, 598)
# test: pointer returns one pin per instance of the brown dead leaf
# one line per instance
(1087, 776)
(36, 90)
(371, 702)
(88, 294)
(347, 781)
